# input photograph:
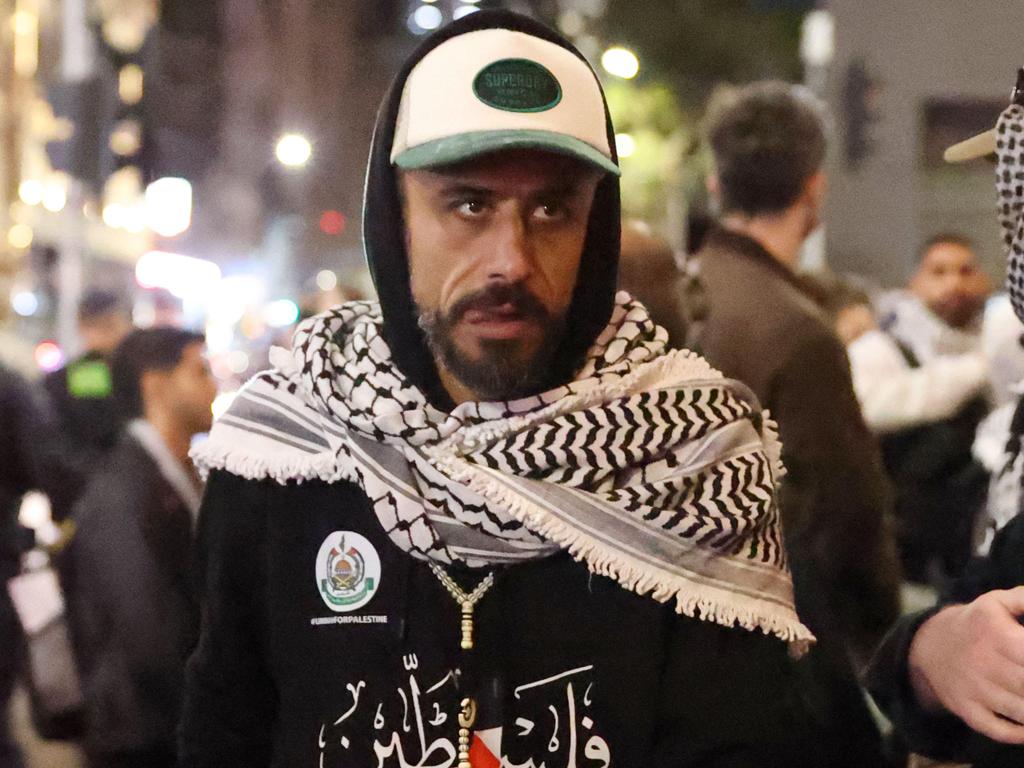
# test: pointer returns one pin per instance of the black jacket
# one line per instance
(19, 466)
(573, 661)
(131, 598)
(86, 424)
(946, 737)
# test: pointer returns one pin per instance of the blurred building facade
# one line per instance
(103, 97)
(907, 79)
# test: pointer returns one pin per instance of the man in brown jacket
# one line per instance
(768, 146)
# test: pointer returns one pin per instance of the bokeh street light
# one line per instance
(280, 314)
(126, 138)
(182, 275)
(625, 145)
(25, 303)
(31, 192)
(620, 62)
(169, 206)
(130, 83)
(817, 39)
(425, 19)
(293, 150)
(20, 236)
(326, 280)
(49, 356)
(55, 192)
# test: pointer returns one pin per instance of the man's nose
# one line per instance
(512, 257)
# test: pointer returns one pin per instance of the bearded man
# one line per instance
(487, 520)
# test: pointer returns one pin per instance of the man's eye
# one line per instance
(471, 208)
(551, 212)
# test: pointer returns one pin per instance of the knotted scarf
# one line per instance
(649, 467)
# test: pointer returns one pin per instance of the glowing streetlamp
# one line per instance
(293, 150)
(20, 236)
(169, 206)
(31, 192)
(620, 62)
(625, 145)
(55, 192)
(326, 280)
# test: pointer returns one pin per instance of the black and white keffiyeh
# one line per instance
(1010, 188)
(649, 467)
(1006, 492)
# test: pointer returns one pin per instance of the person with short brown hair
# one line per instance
(132, 602)
(762, 327)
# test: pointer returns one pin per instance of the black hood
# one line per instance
(384, 233)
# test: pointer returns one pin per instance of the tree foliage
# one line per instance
(686, 49)
(692, 45)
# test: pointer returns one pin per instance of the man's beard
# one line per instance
(498, 373)
(959, 312)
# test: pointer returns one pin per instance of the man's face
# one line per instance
(494, 248)
(188, 390)
(950, 282)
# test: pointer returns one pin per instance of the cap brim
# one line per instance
(455, 149)
(971, 149)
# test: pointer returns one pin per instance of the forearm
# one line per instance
(915, 396)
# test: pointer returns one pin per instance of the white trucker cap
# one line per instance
(497, 89)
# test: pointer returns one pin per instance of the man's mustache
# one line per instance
(500, 295)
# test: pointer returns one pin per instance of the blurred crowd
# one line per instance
(895, 409)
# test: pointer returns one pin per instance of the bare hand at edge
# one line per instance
(969, 660)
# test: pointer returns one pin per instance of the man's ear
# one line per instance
(914, 283)
(814, 189)
(713, 186)
(151, 387)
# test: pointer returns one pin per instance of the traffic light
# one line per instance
(859, 102)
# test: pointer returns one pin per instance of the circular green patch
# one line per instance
(517, 85)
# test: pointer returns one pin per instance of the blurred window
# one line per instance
(947, 121)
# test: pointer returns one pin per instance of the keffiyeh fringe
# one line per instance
(650, 468)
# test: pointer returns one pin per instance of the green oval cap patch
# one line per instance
(517, 85)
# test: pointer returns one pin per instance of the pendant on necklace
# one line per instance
(467, 718)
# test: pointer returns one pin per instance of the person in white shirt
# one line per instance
(940, 487)
(893, 395)
(941, 311)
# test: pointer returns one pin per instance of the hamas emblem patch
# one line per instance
(347, 571)
(517, 85)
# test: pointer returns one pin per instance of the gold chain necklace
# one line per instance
(466, 601)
